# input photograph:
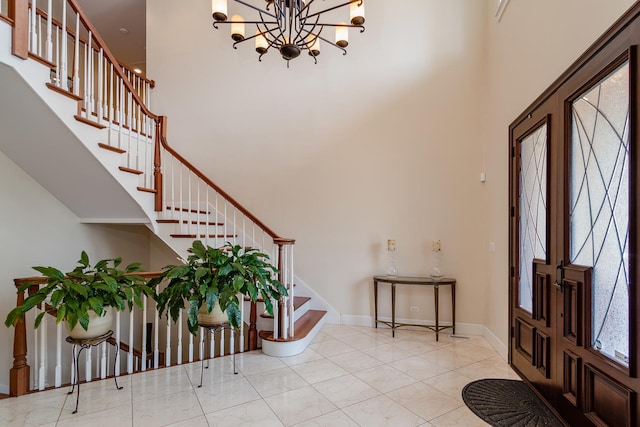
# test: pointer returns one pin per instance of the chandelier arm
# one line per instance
(334, 7)
(250, 6)
(243, 22)
(341, 25)
(333, 44)
(235, 44)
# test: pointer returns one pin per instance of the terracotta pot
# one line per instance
(216, 317)
(98, 325)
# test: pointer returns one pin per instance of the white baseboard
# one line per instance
(495, 342)
(4, 389)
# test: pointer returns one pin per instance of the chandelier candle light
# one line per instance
(391, 250)
(290, 26)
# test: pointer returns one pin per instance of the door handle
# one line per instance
(559, 283)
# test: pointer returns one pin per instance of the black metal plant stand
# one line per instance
(212, 329)
(85, 343)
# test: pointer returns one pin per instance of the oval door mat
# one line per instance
(507, 403)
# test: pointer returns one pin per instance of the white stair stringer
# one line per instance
(41, 135)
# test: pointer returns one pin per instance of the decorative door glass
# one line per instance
(599, 209)
(533, 210)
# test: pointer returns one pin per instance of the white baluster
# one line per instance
(130, 354)
(58, 371)
(87, 364)
(42, 371)
(241, 338)
(117, 369)
(85, 71)
(63, 48)
(99, 89)
(275, 319)
(49, 42)
(90, 78)
(291, 290)
(191, 348)
(201, 346)
(212, 349)
(58, 76)
(76, 58)
(179, 345)
(189, 204)
(156, 339)
(167, 351)
(144, 333)
(103, 361)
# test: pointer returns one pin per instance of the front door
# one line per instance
(573, 192)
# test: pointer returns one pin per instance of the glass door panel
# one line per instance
(533, 210)
(599, 206)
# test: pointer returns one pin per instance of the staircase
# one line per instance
(94, 122)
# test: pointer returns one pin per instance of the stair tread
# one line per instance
(130, 170)
(147, 190)
(188, 210)
(111, 148)
(297, 303)
(303, 326)
(177, 221)
(194, 235)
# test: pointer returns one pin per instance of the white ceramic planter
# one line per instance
(216, 317)
(98, 325)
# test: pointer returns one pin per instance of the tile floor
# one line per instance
(349, 376)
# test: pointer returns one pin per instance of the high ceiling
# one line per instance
(122, 25)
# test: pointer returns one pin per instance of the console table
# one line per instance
(420, 281)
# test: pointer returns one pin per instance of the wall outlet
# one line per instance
(436, 246)
(414, 309)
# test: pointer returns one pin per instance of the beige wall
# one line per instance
(531, 46)
(386, 142)
(38, 230)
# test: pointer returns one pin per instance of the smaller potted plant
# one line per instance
(212, 278)
(85, 295)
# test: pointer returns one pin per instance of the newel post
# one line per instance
(18, 11)
(20, 372)
(281, 278)
(161, 135)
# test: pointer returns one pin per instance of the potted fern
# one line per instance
(211, 279)
(84, 298)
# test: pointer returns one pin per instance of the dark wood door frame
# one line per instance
(550, 347)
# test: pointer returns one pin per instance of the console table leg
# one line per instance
(453, 307)
(375, 302)
(435, 297)
(393, 310)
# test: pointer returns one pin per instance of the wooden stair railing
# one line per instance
(177, 185)
(20, 373)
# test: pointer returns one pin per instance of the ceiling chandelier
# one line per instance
(290, 26)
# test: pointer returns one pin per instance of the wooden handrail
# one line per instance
(224, 194)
